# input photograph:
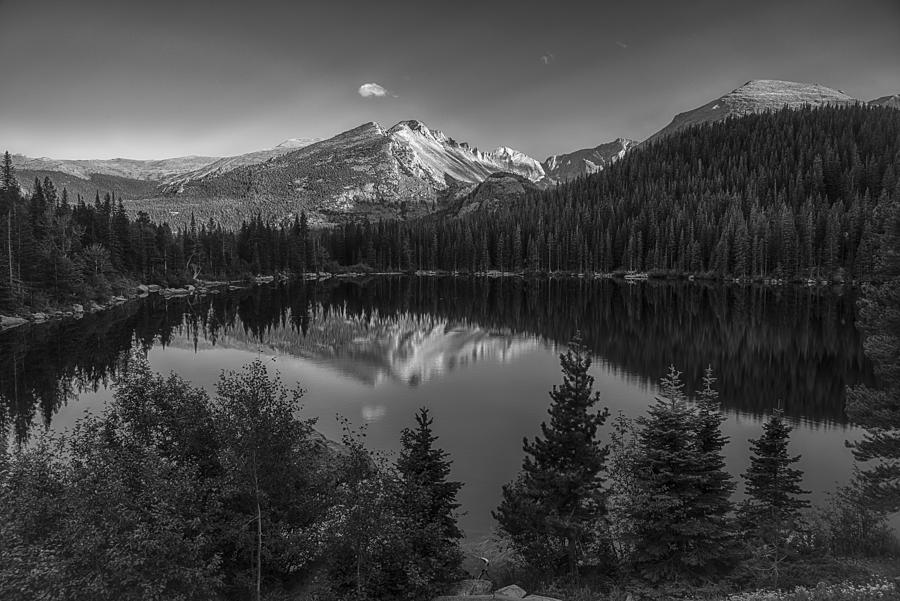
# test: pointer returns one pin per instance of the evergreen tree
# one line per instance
(772, 510)
(550, 512)
(774, 496)
(429, 505)
(714, 508)
(878, 409)
(672, 541)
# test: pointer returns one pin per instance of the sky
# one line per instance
(139, 79)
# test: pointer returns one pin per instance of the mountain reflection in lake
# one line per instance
(480, 353)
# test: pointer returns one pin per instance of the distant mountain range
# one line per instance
(371, 172)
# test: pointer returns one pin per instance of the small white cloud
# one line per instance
(622, 45)
(369, 90)
(548, 58)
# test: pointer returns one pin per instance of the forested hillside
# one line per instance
(56, 249)
(790, 194)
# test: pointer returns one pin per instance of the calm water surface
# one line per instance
(481, 354)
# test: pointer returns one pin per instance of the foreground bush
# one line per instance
(881, 590)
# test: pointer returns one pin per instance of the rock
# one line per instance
(175, 292)
(78, 308)
(190, 288)
(540, 598)
(119, 299)
(468, 588)
(7, 321)
(512, 591)
(143, 289)
(153, 288)
(94, 307)
(39, 317)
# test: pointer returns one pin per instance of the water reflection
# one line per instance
(796, 346)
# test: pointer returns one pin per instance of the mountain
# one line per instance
(563, 167)
(151, 170)
(892, 101)
(757, 96)
(226, 164)
(366, 172)
(434, 156)
(496, 191)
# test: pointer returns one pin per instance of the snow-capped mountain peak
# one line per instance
(431, 154)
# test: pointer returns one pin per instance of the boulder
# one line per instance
(78, 308)
(539, 598)
(470, 587)
(143, 289)
(190, 288)
(39, 316)
(8, 321)
(94, 307)
(512, 591)
(153, 288)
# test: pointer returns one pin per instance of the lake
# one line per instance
(482, 354)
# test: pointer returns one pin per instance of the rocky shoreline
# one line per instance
(142, 291)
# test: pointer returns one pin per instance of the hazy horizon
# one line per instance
(194, 78)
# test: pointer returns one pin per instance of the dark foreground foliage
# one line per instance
(171, 494)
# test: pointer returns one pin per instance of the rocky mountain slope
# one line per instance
(892, 101)
(563, 167)
(757, 96)
(226, 164)
(495, 191)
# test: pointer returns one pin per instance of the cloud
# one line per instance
(548, 58)
(369, 90)
(622, 45)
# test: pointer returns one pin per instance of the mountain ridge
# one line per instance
(563, 167)
(755, 96)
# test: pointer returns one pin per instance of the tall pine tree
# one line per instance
(878, 409)
(429, 504)
(665, 521)
(550, 512)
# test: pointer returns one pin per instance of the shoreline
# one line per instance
(205, 287)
